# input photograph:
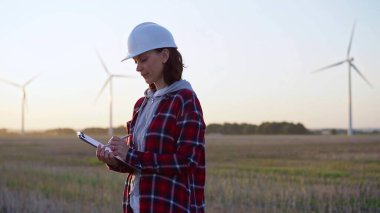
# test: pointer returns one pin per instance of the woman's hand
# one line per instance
(119, 146)
(105, 155)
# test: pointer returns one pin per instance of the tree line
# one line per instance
(265, 128)
(225, 128)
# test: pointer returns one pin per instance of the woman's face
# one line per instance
(151, 65)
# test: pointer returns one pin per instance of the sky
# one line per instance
(248, 61)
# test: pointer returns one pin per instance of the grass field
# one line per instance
(244, 174)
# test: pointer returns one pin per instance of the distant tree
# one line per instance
(60, 131)
(290, 128)
(214, 128)
(120, 130)
(3, 131)
(301, 129)
(248, 129)
(264, 128)
(96, 131)
(231, 128)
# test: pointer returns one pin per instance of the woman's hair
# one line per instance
(173, 67)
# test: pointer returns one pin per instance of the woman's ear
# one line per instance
(164, 55)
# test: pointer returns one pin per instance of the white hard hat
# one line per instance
(148, 36)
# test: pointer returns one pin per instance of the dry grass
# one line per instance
(244, 174)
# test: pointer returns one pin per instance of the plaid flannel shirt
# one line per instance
(173, 164)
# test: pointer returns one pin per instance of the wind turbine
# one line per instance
(349, 60)
(24, 101)
(109, 81)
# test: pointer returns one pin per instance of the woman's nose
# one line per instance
(138, 68)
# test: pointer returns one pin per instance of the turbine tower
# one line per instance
(109, 81)
(349, 60)
(24, 100)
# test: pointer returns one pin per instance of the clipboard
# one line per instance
(89, 140)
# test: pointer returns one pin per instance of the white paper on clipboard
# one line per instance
(96, 143)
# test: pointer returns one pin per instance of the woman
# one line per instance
(164, 152)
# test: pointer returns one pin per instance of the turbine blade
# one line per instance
(104, 86)
(10, 83)
(360, 74)
(349, 45)
(123, 76)
(30, 80)
(329, 66)
(103, 64)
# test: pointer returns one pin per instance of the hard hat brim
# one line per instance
(126, 58)
(139, 53)
(131, 56)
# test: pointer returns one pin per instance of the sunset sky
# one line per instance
(248, 61)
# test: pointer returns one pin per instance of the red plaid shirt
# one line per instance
(173, 164)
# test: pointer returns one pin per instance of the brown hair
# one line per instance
(173, 67)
